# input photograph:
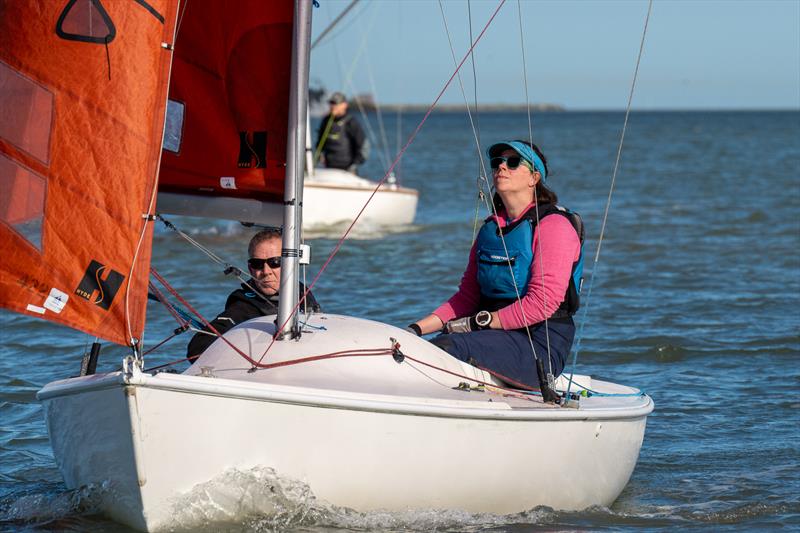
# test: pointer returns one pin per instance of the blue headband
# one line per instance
(525, 151)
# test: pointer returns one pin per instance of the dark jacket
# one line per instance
(345, 145)
(242, 305)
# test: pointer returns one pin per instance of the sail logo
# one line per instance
(253, 150)
(101, 283)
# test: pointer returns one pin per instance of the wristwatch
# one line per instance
(483, 319)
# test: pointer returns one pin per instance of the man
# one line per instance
(341, 138)
(243, 304)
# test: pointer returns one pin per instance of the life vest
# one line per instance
(338, 146)
(498, 282)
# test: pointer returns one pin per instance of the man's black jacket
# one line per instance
(243, 304)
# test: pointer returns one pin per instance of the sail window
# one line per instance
(26, 113)
(22, 194)
(173, 127)
(86, 21)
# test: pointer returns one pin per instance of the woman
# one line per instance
(523, 281)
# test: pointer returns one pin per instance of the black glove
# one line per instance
(480, 321)
(415, 329)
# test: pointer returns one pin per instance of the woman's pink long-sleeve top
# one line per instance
(556, 247)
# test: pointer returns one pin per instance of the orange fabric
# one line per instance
(91, 163)
(231, 71)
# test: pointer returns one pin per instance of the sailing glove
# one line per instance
(415, 329)
(479, 321)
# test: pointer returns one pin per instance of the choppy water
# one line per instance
(696, 301)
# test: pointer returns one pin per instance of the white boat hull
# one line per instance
(156, 437)
(332, 196)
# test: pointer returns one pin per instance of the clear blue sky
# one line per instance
(699, 54)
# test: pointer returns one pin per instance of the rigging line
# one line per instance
(463, 92)
(524, 71)
(535, 199)
(166, 303)
(206, 324)
(229, 268)
(147, 217)
(475, 87)
(385, 176)
(481, 179)
(610, 193)
(162, 343)
(378, 113)
(348, 84)
(483, 176)
(524, 389)
(475, 133)
(481, 168)
(180, 17)
(333, 24)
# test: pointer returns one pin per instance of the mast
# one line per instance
(295, 151)
(309, 148)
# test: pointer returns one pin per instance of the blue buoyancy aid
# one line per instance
(499, 284)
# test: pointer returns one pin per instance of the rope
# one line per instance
(386, 157)
(229, 268)
(535, 199)
(381, 182)
(490, 205)
(475, 133)
(206, 324)
(608, 201)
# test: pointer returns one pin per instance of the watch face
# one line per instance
(483, 318)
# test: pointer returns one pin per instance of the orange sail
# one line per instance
(83, 90)
(228, 112)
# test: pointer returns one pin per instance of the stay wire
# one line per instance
(482, 179)
(579, 337)
(348, 84)
(535, 198)
(229, 268)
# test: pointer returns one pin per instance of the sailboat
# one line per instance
(368, 415)
(192, 182)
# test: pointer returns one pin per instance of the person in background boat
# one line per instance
(245, 303)
(340, 138)
(487, 322)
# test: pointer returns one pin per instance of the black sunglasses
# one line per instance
(511, 162)
(257, 264)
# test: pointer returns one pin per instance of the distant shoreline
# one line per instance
(555, 108)
(461, 108)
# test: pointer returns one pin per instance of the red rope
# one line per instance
(162, 343)
(167, 304)
(385, 177)
(203, 320)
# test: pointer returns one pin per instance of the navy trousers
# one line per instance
(508, 352)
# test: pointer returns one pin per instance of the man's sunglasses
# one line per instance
(511, 162)
(257, 264)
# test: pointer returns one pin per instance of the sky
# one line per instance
(580, 54)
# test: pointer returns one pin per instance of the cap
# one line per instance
(337, 98)
(525, 151)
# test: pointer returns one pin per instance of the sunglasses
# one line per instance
(257, 264)
(512, 162)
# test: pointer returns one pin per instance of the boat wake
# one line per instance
(260, 500)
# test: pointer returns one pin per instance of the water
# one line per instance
(695, 301)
